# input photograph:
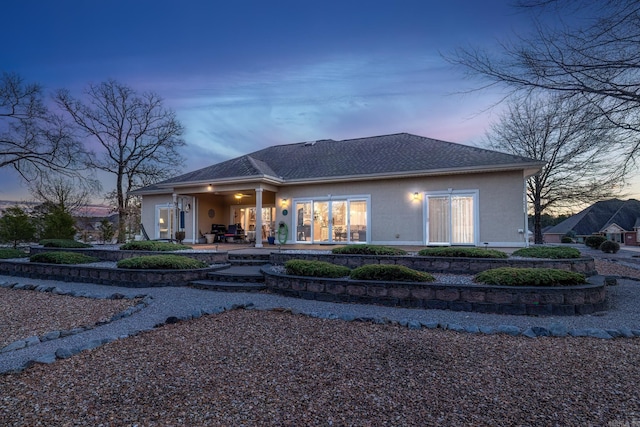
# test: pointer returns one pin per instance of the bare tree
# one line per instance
(577, 144)
(139, 139)
(586, 48)
(33, 140)
(70, 194)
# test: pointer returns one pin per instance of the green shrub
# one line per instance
(162, 262)
(508, 276)
(449, 251)
(609, 247)
(151, 245)
(63, 243)
(298, 267)
(390, 272)
(566, 239)
(62, 258)
(368, 250)
(6, 253)
(594, 241)
(551, 252)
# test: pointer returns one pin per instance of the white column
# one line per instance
(258, 217)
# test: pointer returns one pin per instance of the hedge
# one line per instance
(449, 251)
(509, 276)
(161, 262)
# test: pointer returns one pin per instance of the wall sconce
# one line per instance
(416, 196)
(210, 187)
(284, 202)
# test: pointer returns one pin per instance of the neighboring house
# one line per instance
(396, 189)
(617, 220)
(89, 227)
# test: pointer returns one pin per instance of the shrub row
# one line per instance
(552, 252)
(62, 258)
(509, 276)
(152, 245)
(162, 262)
(396, 273)
(449, 251)
(7, 253)
(368, 250)
(63, 243)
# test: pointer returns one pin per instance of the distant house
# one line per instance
(396, 189)
(617, 220)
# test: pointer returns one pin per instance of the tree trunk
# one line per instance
(537, 224)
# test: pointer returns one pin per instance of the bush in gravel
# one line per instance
(594, 241)
(298, 267)
(462, 252)
(6, 253)
(609, 247)
(566, 239)
(150, 245)
(508, 276)
(368, 250)
(390, 272)
(551, 252)
(63, 243)
(162, 262)
(62, 258)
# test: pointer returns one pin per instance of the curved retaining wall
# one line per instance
(543, 301)
(209, 257)
(585, 265)
(102, 275)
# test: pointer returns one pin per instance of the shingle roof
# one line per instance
(597, 217)
(378, 155)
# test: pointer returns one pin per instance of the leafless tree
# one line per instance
(586, 48)
(69, 194)
(577, 144)
(33, 140)
(139, 138)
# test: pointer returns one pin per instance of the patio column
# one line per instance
(259, 217)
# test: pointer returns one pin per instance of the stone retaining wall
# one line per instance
(544, 301)
(102, 275)
(585, 265)
(210, 257)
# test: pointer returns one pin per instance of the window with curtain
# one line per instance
(451, 219)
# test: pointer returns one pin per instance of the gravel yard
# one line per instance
(250, 367)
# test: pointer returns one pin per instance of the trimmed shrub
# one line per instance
(609, 247)
(594, 241)
(63, 243)
(151, 245)
(449, 251)
(368, 250)
(551, 252)
(390, 272)
(6, 253)
(298, 267)
(566, 239)
(162, 262)
(508, 276)
(62, 258)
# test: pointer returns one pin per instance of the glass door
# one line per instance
(339, 221)
(165, 225)
(320, 221)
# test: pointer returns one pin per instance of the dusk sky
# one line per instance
(243, 75)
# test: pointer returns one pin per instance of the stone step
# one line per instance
(250, 274)
(248, 262)
(214, 285)
(238, 257)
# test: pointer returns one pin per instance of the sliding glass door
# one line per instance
(452, 218)
(331, 221)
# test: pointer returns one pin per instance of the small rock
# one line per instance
(558, 330)
(509, 330)
(472, 329)
(50, 336)
(16, 345)
(414, 324)
(489, 330)
(32, 341)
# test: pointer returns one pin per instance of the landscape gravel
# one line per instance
(287, 361)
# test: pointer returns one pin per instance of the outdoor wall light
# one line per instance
(416, 196)
(284, 202)
(210, 187)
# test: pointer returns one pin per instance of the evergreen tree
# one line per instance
(16, 226)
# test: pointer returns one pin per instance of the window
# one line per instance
(341, 220)
(452, 218)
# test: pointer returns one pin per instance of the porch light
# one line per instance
(416, 196)
(284, 201)
(238, 196)
(210, 187)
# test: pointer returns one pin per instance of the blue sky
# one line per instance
(242, 75)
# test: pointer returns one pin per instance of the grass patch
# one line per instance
(62, 258)
(368, 250)
(551, 252)
(7, 253)
(150, 245)
(299, 267)
(390, 272)
(162, 262)
(63, 243)
(508, 276)
(455, 252)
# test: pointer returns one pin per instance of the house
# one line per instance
(617, 220)
(398, 189)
